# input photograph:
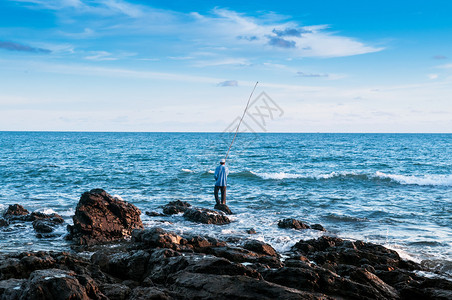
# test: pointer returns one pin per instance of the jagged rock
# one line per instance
(15, 210)
(3, 222)
(157, 237)
(206, 216)
(292, 223)
(146, 293)
(101, 218)
(175, 207)
(260, 247)
(154, 214)
(337, 251)
(224, 208)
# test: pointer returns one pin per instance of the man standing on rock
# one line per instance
(221, 175)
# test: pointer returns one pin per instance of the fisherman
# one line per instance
(221, 175)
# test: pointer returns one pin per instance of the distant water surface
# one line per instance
(392, 189)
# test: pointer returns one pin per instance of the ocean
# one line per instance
(390, 189)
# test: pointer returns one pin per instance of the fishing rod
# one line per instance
(238, 126)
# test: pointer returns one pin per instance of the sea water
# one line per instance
(391, 189)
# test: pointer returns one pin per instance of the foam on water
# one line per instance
(433, 179)
(187, 171)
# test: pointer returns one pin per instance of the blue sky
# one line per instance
(332, 66)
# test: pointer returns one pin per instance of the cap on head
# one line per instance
(222, 161)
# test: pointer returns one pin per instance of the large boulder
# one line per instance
(99, 217)
(224, 208)
(206, 216)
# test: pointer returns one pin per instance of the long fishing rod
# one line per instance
(238, 126)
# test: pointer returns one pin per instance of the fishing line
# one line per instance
(238, 126)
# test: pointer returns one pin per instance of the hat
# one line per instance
(223, 161)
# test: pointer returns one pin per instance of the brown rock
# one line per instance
(101, 218)
(206, 216)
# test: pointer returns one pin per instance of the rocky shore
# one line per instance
(113, 257)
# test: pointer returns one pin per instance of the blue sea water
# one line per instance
(391, 189)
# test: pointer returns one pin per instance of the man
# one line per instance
(221, 174)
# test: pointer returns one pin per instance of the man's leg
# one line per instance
(215, 192)
(223, 194)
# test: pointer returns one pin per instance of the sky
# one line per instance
(322, 66)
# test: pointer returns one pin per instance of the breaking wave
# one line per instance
(432, 179)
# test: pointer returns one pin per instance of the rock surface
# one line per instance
(100, 217)
(206, 216)
(175, 207)
(297, 224)
(157, 264)
(224, 208)
(15, 210)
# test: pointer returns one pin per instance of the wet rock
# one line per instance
(292, 223)
(206, 216)
(15, 210)
(3, 222)
(251, 231)
(154, 214)
(101, 218)
(224, 208)
(260, 247)
(42, 226)
(175, 207)
(318, 227)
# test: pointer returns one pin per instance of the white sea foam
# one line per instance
(47, 211)
(187, 171)
(284, 175)
(432, 179)
(118, 197)
(280, 175)
(67, 213)
(210, 172)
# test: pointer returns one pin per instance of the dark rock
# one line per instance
(154, 214)
(59, 284)
(251, 231)
(224, 208)
(115, 291)
(318, 227)
(15, 210)
(260, 247)
(3, 222)
(206, 216)
(42, 226)
(157, 238)
(11, 288)
(292, 223)
(146, 293)
(101, 218)
(175, 207)
(210, 286)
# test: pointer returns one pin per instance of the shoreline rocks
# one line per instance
(158, 264)
(297, 224)
(206, 216)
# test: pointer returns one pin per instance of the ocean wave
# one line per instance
(432, 179)
(187, 171)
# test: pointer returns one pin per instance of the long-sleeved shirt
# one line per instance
(221, 175)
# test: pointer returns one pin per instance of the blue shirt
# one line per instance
(221, 174)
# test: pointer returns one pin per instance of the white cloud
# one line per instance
(432, 76)
(100, 56)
